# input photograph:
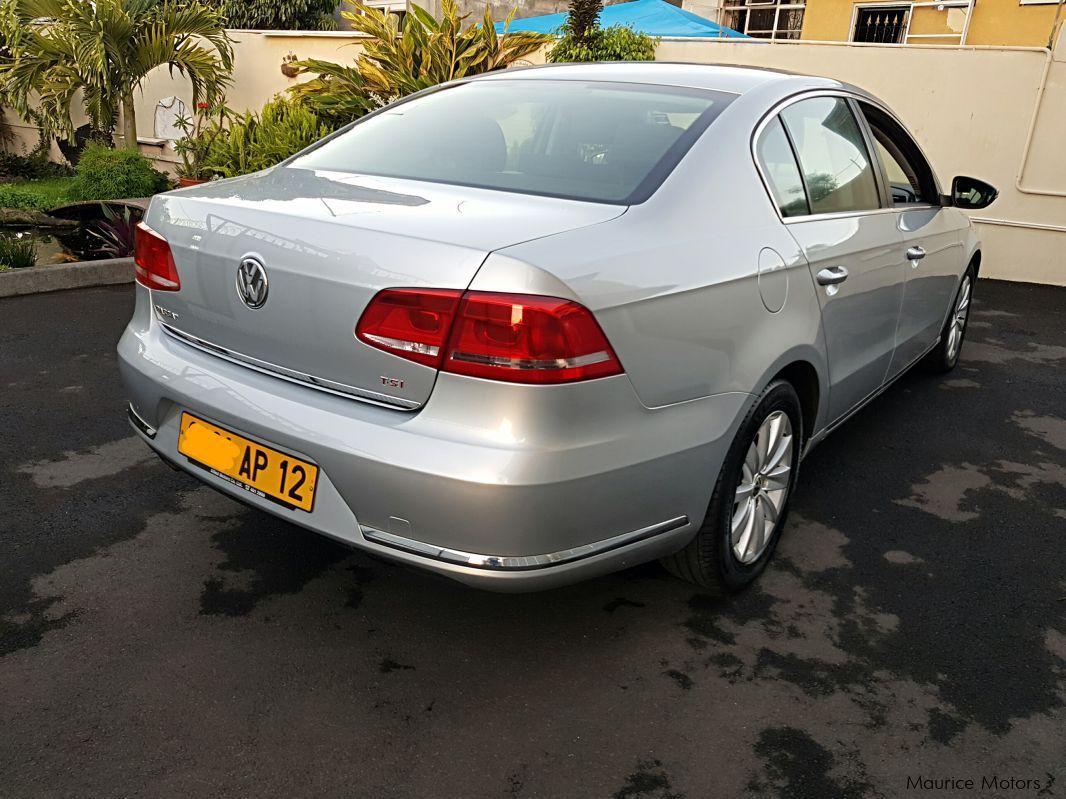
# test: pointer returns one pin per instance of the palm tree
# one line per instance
(104, 49)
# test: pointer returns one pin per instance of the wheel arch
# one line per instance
(803, 377)
(805, 368)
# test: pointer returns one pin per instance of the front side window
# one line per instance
(910, 179)
(604, 142)
(837, 170)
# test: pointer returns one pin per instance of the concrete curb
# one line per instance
(56, 277)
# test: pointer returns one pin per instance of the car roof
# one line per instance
(733, 79)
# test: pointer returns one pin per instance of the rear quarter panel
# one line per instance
(675, 282)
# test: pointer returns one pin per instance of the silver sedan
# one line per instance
(550, 323)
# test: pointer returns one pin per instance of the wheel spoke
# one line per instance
(769, 520)
(744, 491)
(785, 446)
(769, 510)
(758, 533)
(777, 480)
(740, 547)
(751, 460)
(740, 518)
(762, 445)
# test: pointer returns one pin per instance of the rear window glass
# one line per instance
(605, 142)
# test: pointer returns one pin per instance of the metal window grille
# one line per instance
(881, 25)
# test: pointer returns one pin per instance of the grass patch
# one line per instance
(35, 195)
(18, 253)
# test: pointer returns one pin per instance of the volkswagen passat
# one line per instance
(546, 324)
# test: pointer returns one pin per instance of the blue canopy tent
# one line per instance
(653, 17)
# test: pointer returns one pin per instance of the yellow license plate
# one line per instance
(256, 468)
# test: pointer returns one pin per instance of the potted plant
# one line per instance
(200, 133)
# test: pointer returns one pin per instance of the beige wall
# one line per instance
(970, 108)
(257, 75)
(995, 22)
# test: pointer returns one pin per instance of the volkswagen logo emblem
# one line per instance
(252, 282)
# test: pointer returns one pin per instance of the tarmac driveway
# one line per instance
(158, 639)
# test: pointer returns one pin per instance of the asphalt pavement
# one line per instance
(158, 639)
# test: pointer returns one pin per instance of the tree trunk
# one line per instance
(129, 124)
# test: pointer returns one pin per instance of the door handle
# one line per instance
(832, 275)
(915, 253)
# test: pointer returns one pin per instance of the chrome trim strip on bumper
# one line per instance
(519, 562)
(139, 423)
(303, 379)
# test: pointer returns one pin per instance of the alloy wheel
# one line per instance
(765, 479)
(957, 325)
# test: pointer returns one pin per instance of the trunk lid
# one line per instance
(327, 243)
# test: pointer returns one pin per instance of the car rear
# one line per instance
(305, 339)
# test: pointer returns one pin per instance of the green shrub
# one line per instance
(616, 43)
(291, 15)
(17, 253)
(105, 174)
(257, 141)
(31, 167)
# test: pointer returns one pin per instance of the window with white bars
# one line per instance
(773, 20)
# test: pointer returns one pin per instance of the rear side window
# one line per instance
(779, 166)
(837, 169)
(605, 142)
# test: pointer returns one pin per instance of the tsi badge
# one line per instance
(391, 382)
(252, 284)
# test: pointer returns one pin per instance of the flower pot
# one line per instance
(186, 182)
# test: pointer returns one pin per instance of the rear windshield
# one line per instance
(604, 142)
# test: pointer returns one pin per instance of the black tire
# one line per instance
(944, 356)
(709, 559)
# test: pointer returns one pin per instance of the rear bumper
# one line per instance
(497, 485)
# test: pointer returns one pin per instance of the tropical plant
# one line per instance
(207, 124)
(256, 141)
(18, 252)
(616, 43)
(105, 174)
(583, 39)
(394, 64)
(113, 234)
(100, 52)
(278, 14)
(582, 18)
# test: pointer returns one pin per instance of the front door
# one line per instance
(932, 239)
(852, 244)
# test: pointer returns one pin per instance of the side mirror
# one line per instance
(971, 194)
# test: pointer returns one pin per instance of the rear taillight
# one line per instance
(411, 323)
(514, 337)
(153, 260)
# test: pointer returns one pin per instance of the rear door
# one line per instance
(851, 241)
(932, 242)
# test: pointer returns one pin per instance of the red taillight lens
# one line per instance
(411, 323)
(153, 260)
(519, 338)
(528, 339)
